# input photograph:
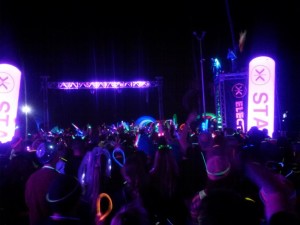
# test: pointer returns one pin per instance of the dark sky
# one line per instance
(100, 40)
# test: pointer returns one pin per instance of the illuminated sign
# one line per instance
(261, 93)
(239, 91)
(239, 115)
(10, 78)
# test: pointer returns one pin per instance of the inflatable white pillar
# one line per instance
(10, 78)
(261, 93)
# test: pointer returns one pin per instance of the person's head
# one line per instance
(205, 141)
(165, 169)
(78, 146)
(218, 167)
(48, 152)
(219, 138)
(131, 214)
(135, 172)
(265, 132)
(220, 173)
(64, 194)
(164, 160)
(225, 206)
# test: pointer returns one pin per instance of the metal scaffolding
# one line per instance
(158, 83)
(220, 99)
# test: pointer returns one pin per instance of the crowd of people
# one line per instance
(156, 174)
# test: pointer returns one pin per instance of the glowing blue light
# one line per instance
(231, 55)
(216, 65)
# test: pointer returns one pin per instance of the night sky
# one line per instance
(100, 40)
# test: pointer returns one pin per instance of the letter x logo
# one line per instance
(6, 83)
(239, 90)
(260, 75)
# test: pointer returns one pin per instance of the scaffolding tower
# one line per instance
(220, 96)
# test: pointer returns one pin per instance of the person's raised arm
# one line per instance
(276, 191)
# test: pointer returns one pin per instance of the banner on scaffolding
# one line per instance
(236, 97)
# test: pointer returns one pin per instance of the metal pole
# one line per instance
(160, 97)
(200, 38)
(202, 78)
(45, 101)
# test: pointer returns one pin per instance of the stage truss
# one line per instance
(158, 83)
(103, 85)
(220, 99)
